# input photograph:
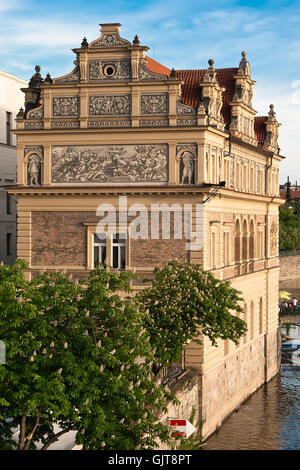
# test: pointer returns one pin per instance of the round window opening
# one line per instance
(109, 70)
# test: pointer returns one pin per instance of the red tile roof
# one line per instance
(260, 128)
(156, 67)
(191, 90)
(294, 195)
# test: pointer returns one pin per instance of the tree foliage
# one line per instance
(80, 354)
(79, 357)
(289, 226)
(185, 300)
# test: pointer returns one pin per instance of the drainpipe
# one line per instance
(229, 142)
(266, 172)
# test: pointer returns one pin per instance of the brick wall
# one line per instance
(60, 239)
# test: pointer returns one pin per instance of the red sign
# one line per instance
(182, 428)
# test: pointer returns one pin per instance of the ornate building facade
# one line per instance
(122, 127)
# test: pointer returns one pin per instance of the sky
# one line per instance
(180, 34)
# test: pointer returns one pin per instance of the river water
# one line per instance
(270, 418)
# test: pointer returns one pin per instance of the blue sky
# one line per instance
(180, 34)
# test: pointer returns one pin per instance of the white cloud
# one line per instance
(288, 114)
(180, 34)
(9, 5)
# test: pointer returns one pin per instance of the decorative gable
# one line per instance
(110, 37)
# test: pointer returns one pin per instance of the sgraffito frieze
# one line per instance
(110, 40)
(37, 113)
(72, 77)
(186, 122)
(33, 148)
(154, 104)
(34, 125)
(113, 105)
(107, 123)
(109, 69)
(146, 74)
(184, 109)
(65, 125)
(187, 146)
(154, 123)
(109, 163)
(274, 238)
(65, 106)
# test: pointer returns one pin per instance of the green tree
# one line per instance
(184, 300)
(79, 357)
(289, 226)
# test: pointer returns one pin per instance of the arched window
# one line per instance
(207, 168)
(226, 257)
(238, 176)
(213, 169)
(261, 315)
(245, 241)
(251, 240)
(252, 325)
(237, 242)
(246, 321)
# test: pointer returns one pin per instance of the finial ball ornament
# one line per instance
(211, 62)
(244, 53)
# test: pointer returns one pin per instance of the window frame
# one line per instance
(98, 245)
(9, 244)
(91, 231)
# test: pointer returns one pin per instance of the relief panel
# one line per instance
(109, 69)
(65, 106)
(114, 105)
(154, 104)
(110, 164)
(110, 40)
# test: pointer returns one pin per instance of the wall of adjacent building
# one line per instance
(11, 100)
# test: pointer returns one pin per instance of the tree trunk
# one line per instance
(30, 435)
(22, 432)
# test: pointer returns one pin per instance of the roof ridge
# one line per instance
(201, 70)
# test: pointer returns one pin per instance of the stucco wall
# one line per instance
(229, 384)
(289, 267)
(187, 391)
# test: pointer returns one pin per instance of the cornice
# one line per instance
(109, 190)
(241, 142)
(231, 193)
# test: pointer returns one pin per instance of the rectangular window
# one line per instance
(213, 170)
(99, 249)
(118, 251)
(245, 178)
(252, 180)
(226, 248)
(228, 174)
(8, 128)
(261, 248)
(213, 251)
(9, 244)
(8, 204)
